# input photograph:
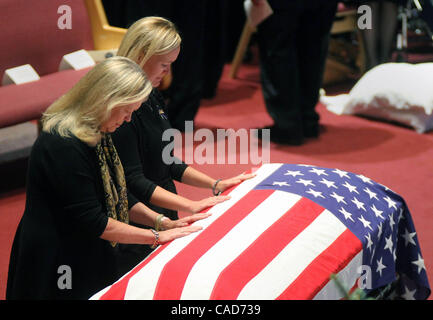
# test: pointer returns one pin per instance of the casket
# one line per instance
(282, 235)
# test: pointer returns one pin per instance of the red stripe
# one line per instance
(117, 290)
(332, 260)
(264, 249)
(175, 272)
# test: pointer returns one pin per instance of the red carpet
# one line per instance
(397, 157)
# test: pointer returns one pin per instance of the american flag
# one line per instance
(281, 235)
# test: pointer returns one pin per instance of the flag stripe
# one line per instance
(294, 258)
(137, 285)
(118, 289)
(202, 277)
(348, 276)
(331, 260)
(234, 277)
(265, 243)
(170, 287)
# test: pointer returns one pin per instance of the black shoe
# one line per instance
(282, 136)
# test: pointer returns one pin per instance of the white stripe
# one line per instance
(241, 190)
(294, 258)
(205, 272)
(143, 284)
(346, 276)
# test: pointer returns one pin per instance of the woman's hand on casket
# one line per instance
(230, 182)
(183, 222)
(200, 205)
(175, 233)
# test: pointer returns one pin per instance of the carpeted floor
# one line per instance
(395, 156)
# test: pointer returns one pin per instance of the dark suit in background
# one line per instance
(293, 45)
(209, 32)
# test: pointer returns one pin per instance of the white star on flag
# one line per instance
(379, 226)
(281, 183)
(347, 215)
(319, 172)
(419, 263)
(359, 204)
(293, 173)
(380, 266)
(389, 243)
(391, 203)
(338, 198)
(329, 184)
(341, 173)
(377, 212)
(350, 187)
(366, 223)
(306, 182)
(365, 179)
(408, 237)
(371, 194)
(369, 242)
(391, 221)
(315, 193)
(372, 255)
(401, 214)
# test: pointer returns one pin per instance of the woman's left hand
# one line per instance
(182, 222)
(227, 183)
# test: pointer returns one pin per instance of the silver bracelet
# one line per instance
(214, 187)
(158, 222)
(156, 242)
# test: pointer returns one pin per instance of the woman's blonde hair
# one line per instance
(147, 37)
(112, 83)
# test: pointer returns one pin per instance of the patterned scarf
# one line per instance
(116, 199)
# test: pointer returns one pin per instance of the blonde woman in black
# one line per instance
(154, 43)
(78, 209)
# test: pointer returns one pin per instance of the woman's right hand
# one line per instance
(175, 233)
(200, 205)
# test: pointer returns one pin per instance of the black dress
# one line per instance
(140, 146)
(60, 229)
